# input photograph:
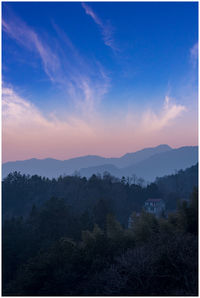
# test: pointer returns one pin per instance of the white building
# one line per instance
(155, 206)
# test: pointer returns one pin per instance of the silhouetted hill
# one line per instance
(179, 186)
(148, 163)
(54, 168)
(157, 165)
(164, 163)
(133, 158)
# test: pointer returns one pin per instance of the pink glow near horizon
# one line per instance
(28, 134)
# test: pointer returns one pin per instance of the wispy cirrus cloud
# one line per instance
(85, 130)
(169, 112)
(106, 28)
(28, 38)
(194, 54)
(24, 127)
(85, 83)
(26, 132)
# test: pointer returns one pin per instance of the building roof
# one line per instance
(153, 200)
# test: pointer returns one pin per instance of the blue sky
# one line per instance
(99, 65)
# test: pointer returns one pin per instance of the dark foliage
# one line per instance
(21, 192)
(61, 247)
(178, 186)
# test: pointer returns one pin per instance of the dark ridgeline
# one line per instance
(69, 236)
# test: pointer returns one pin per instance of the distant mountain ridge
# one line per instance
(164, 163)
(147, 163)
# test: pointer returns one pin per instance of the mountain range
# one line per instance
(148, 163)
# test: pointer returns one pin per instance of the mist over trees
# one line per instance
(123, 196)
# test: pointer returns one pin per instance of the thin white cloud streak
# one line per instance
(25, 36)
(28, 133)
(17, 112)
(169, 112)
(106, 29)
(194, 54)
(72, 74)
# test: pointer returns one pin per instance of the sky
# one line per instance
(98, 78)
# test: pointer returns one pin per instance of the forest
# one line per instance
(69, 236)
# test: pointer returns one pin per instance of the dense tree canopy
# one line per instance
(121, 197)
(73, 239)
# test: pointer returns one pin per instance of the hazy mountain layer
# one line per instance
(164, 163)
(53, 168)
(148, 163)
